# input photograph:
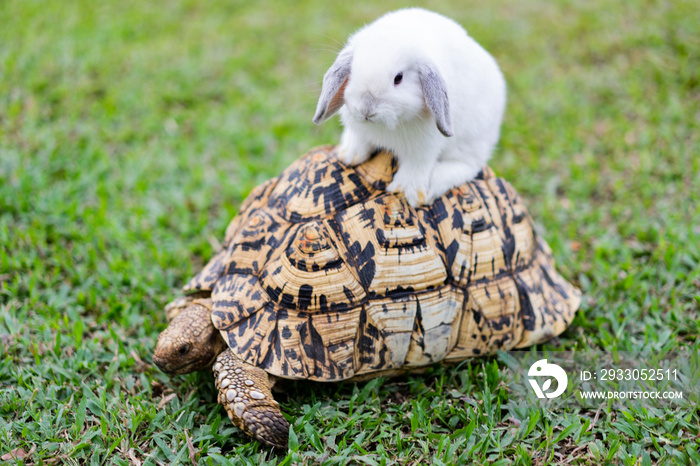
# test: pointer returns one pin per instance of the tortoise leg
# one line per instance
(244, 391)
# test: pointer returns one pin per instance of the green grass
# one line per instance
(131, 131)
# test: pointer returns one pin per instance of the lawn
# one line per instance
(131, 131)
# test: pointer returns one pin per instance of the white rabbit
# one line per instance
(414, 83)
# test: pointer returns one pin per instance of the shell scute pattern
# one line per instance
(394, 319)
(399, 228)
(316, 186)
(436, 328)
(384, 234)
(236, 297)
(208, 276)
(494, 309)
(312, 249)
(319, 346)
(311, 275)
(328, 277)
(249, 336)
(257, 242)
(470, 236)
(256, 200)
(545, 298)
(378, 171)
(516, 224)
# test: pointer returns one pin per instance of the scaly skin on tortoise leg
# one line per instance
(244, 391)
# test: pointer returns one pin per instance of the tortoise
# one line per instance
(326, 276)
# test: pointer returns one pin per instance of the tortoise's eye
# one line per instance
(398, 78)
(183, 349)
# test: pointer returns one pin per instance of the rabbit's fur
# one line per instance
(414, 83)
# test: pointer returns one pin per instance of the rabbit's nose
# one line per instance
(368, 106)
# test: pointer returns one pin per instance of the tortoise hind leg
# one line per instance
(244, 391)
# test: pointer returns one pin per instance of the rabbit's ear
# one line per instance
(334, 82)
(435, 94)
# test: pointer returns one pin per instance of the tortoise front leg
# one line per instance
(244, 391)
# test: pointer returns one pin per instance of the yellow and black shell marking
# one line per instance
(326, 276)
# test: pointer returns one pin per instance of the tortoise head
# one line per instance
(190, 343)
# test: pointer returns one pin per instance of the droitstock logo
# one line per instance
(542, 369)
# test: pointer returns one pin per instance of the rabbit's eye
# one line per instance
(398, 78)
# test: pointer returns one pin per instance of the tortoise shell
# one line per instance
(326, 276)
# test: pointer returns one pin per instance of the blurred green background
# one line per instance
(130, 132)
